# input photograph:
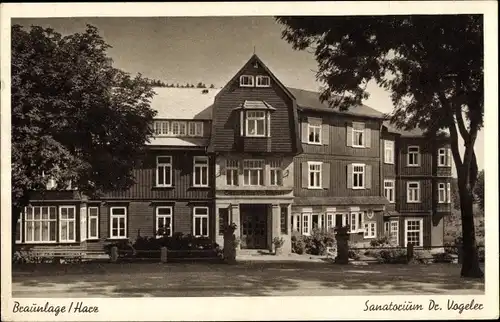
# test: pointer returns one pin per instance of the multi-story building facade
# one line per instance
(274, 160)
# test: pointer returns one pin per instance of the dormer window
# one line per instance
(246, 81)
(255, 118)
(255, 123)
(263, 81)
(178, 128)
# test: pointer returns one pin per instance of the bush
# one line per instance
(318, 241)
(391, 256)
(26, 257)
(298, 244)
(423, 256)
(381, 241)
(442, 258)
(149, 247)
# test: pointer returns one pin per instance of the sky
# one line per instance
(209, 50)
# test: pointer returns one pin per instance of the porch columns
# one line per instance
(83, 219)
(276, 223)
(235, 218)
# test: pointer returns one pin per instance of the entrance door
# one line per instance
(253, 226)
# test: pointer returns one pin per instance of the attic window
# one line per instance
(263, 81)
(246, 81)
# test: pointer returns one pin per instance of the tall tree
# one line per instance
(432, 66)
(74, 116)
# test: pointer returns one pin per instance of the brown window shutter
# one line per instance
(349, 176)
(325, 134)
(305, 175)
(368, 138)
(304, 133)
(325, 175)
(349, 135)
(368, 175)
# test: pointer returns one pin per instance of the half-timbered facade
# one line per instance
(274, 160)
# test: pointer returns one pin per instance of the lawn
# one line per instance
(243, 279)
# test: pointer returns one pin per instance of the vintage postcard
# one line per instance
(249, 161)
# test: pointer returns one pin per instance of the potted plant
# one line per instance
(278, 245)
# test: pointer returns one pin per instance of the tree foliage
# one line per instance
(431, 64)
(74, 116)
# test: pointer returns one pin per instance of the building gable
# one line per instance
(255, 91)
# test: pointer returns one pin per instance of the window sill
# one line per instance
(315, 188)
(255, 136)
(358, 146)
(413, 202)
(116, 238)
(242, 85)
(263, 86)
(163, 187)
(413, 165)
(358, 188)
(199, 187)
(385, 162)
(369, 237)
(314, 143)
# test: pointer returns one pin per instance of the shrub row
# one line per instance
(149, 247)
(314, 244)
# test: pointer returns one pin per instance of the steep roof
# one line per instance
(413, 133)
(309, 100)
(184, 103)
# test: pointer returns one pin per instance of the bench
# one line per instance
(58, 253)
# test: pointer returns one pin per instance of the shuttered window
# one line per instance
(359, 176)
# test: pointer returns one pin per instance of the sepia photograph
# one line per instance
(248, 156)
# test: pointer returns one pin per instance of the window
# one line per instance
(191, 129)
(358, 135)
(263, 81)
(195, 128)
(256, 123)
(175, 128)
(444, 157)
(232, 172)
(276, 173)
(306, 224)
(370, 230)
(40, 224)
(341, 220)
(413, 231)
(67, 224)
(391, 229)
(118, 222)
(284, 219)
(163, 221)
(389, 152)
(163, 171)
(413, 156)
(413, 192)
(318, 221)
(354, 220)
(358, 176)
(182, 128)
(19, 231)
(253, 172)
(389, 190)
(314, 130)
(441, 193)
(93, 222)
(198, 129)
(200, 171)
(200, 218)
(246, 81)
(315, 175)
(162, 127)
